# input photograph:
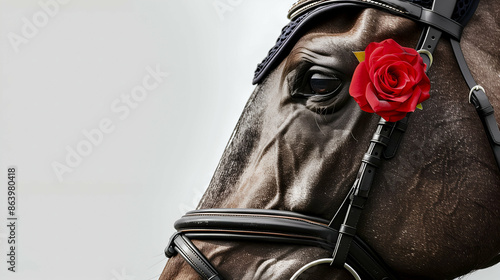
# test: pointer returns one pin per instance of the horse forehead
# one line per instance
(323, 44)
(364, 27)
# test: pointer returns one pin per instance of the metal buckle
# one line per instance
(324, 261)
(475, 88)
(428, 54)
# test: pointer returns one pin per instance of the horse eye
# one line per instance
(322, 84)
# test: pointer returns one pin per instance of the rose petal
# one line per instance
(390, 46)
(424, 84)
(376, 104)
(411, 104)
(379, 62)
(365, 106)
(359, 82)
(393, 117)
(424, 95)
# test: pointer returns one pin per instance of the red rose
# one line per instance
(391, 81)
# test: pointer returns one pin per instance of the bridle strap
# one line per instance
(346, 219)
(357, 197)
(398, 132)
(301, 14)
(402, 8)
(478, 98)
(274, 226)
(179, 244)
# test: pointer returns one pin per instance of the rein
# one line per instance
(338, 235)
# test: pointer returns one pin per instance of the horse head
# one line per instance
(433, 210)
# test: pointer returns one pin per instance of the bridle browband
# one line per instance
(339, 234)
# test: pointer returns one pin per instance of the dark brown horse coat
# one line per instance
(434, 211)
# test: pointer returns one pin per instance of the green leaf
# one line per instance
(360, 56)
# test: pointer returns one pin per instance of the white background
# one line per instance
(110, 217)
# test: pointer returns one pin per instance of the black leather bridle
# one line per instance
(338, 235)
